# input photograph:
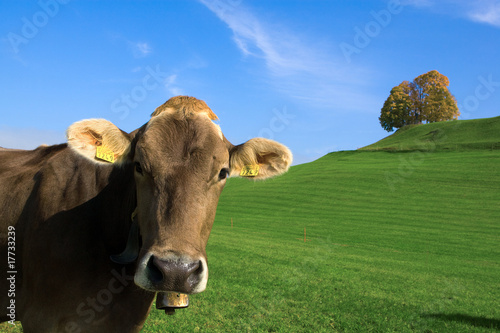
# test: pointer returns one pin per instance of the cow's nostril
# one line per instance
(195, 272)
(153, 273)
(199, 269)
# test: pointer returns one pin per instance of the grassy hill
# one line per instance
(449, 135)
(397, 241)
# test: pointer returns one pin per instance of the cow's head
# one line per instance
(181, 161)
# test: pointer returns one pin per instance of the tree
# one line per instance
(397, 108)
(425, 99)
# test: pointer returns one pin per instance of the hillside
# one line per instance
(396, 242)
(448, 135)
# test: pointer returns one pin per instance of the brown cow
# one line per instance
(64, 211)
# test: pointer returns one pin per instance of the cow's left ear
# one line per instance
(98, 140)
(259, 158)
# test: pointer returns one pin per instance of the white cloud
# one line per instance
(139, 49)
(297, 64)
(482, 11)
(171, 87)
(488, 12)
(282, 51)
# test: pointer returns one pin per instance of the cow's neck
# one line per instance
(114, 206)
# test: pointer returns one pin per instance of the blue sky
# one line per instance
(310, 74)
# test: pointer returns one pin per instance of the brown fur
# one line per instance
(186, 105)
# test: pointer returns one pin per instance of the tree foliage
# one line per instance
(425, 99)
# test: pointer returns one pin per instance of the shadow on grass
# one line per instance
(466, 319)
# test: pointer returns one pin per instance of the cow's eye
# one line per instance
(138, 168)
(223, 174)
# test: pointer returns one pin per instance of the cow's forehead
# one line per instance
(201, 120)
(171, 135)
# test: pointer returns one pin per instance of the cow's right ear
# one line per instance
(98, 140)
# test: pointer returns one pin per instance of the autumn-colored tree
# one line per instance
(425, 99)
(397, 108)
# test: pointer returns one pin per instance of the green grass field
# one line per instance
(397, 241)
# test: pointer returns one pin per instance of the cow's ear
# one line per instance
(98, 140)
(260, 159)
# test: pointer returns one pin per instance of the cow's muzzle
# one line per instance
(194, 274)
(172, 273)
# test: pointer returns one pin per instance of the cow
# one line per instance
(93, 229)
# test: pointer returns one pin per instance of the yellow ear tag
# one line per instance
(105, 154)
(249, 171)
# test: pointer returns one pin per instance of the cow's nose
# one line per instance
(174, 274)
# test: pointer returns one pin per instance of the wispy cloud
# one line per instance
(171, 85)
(282, 52)
(139, 49)
(482, 11)
(488, 12)
(298, 65)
